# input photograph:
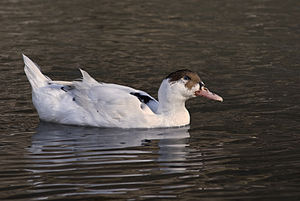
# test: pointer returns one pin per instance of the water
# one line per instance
(246, 148)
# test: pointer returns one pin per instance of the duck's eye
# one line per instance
(186, 77)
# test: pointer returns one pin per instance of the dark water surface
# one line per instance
(246, 148)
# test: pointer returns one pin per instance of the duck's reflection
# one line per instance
(57, 144)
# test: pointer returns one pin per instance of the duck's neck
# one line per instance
(172, 105)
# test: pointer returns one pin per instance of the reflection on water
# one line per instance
(68, 162)
(70, 144)
(78, 160)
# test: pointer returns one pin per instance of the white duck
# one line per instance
(91, 103)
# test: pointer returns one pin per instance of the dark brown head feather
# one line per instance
(177, 75)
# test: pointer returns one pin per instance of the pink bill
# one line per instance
(210, 95)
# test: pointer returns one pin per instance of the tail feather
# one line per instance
(34, 74)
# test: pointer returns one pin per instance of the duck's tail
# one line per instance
(34, 74)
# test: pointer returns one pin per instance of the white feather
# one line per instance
(88, 102)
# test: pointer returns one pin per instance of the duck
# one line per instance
(87, 102)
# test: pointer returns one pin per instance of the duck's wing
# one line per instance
(110, 104)
(109, 93)
(104, 104)
(90, 90)
(142, 96)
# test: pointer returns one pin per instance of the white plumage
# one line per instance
(90, 103)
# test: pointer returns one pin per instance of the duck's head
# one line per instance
(185, 84)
